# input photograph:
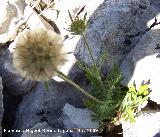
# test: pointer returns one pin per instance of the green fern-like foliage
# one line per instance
(133, 99)
(107, 90)
(117, 102)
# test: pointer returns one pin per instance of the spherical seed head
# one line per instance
(38, 54)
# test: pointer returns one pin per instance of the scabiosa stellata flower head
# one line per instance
(38, 54)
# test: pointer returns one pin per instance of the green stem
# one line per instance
(89, 49)
(66, 79)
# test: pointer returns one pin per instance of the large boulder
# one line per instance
(116, 26)
(143, 64)
(41, 105)
(147, 124)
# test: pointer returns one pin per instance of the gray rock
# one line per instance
(143, 64)
(44, 130)
(1, 104)
(41, 105)
(10, 104)
(78, 118)
(116, 26)
(147, 125)
(12, 81)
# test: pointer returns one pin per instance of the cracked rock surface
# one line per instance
(123, 28)
(40, 106)
(116, 26)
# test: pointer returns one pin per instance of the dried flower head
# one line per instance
(38, 54)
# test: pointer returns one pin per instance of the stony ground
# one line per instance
(128, 29)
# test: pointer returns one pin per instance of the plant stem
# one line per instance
(66, 79)
(89, 49)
